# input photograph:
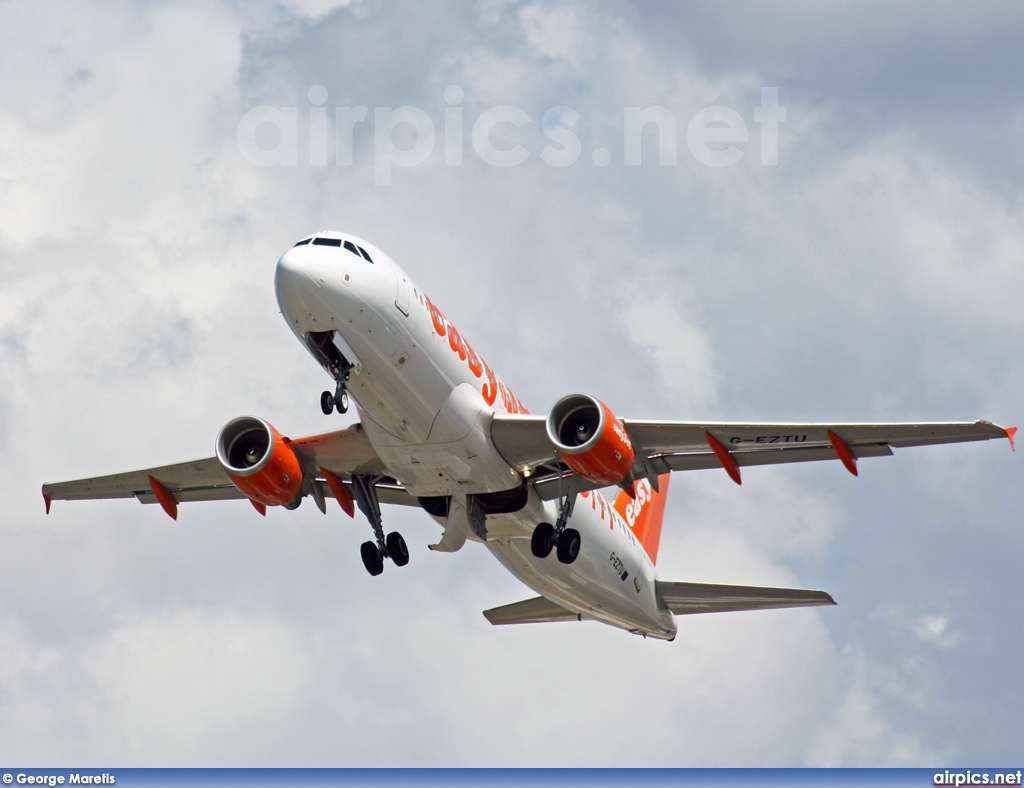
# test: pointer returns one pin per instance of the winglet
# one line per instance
(848, 458)
(259, 507)
(341, 493)
(728, 461)
(1010, 432)
(165, 498)
(48, 502)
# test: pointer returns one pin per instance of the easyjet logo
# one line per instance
(493, 387)
(617, 427)
(644, 493)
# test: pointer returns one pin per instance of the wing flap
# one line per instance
(689, 598)
(538, 610)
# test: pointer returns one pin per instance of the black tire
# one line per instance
(341, 402)
(372, 559)
(569, 545)
(397, 550)
(327, 403)
(541, 543)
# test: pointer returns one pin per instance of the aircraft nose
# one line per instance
(293, 282)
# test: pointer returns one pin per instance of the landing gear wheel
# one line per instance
(397, 550)
(372, 559)
(327, 403)
(341, 402)
(568, 545)
(541, 543)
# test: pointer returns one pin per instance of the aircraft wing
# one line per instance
(689, 598)
(343, 453)
(664, 446)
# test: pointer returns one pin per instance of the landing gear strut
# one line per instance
(393, 545)
(567, 541)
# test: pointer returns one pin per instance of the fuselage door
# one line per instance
(402, 299)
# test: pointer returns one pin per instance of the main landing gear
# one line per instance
(565, 541)
(566, 545)
(393, 545)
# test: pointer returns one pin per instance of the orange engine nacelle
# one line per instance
(591, 441)
(259, 461)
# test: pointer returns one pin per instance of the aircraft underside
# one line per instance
(440, 431)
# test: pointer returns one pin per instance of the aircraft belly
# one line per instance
(469, 465)
(591, 585)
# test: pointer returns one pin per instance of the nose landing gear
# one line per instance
(339, 400)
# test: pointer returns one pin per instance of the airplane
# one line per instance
(439, 430)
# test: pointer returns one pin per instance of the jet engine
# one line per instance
(259, 461)
(591, 441)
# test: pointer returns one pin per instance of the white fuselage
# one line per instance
(426, 399)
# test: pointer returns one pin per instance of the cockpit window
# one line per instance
(362, 251)
(304, 242)
(326, 242)
(352, 248)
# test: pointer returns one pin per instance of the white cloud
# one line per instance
(171, 683)
(680, 351)
(552, 32)
(932, 629)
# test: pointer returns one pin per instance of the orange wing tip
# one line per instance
(843, 450)
(728, 461)
(46, 498)
(259, 507)
(1010, 432)
(165, 498)
(341, 493)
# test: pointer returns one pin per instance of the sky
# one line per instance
(868, 266)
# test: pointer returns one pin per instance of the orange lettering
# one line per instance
(436, 316)
(456, 342)
(474, 362)
(490, 389)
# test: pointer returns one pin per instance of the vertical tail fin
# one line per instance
(645, 512)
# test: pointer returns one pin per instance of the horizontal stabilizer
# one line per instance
(687, 598)
(530, 611)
